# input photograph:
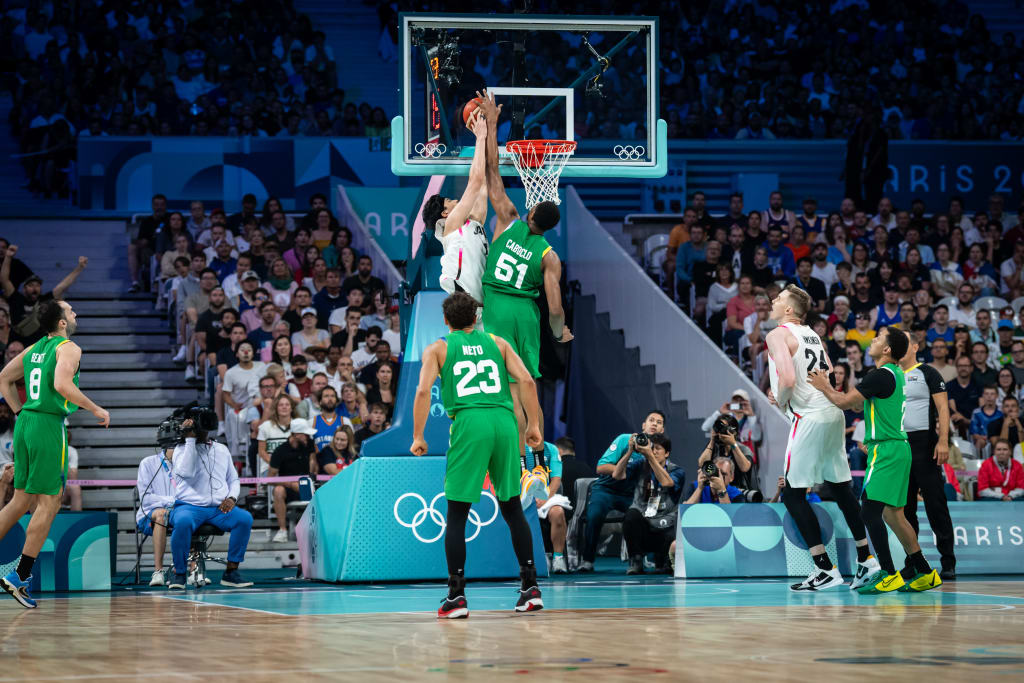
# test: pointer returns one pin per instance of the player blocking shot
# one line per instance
(49, 368)
(458, 225)
(816, 452)
(882, 394)
(475, 369)
(519, 264)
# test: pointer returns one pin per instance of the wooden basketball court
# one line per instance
(600, 628)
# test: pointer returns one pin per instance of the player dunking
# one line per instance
(50, 370)
(816, 453)
(885, 484)
(475, 368)
(520, 262)
(458, 225)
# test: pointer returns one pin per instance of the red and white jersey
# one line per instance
(810, 355)
(465, 255)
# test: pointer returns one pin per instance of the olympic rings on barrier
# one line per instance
(438, 519)
(629, 152)
(430, 150)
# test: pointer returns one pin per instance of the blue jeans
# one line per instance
(602, 501)
(187, 518)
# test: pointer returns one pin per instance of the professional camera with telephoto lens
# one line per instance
(709, 469)
(641, 440)
(171, 432)
(726, 424)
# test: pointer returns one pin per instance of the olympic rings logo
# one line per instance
(430, 150)
(629, 152)
(425, 511)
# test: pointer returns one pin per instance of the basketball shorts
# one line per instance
(40, 453)
(515, 319)
(817, 450)
(483, 441)
(888, 473)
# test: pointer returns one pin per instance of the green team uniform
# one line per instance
(512, 280)
(888, 473)
(484, 436)
(40, 438)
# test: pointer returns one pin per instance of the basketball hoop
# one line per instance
(540, 163)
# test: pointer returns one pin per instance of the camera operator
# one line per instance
(714, 483)
(650, 523)
(723, 444)
(608, 493)
(207, 488)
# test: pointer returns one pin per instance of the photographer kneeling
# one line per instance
(714, 483)
(650, 523)
(207, 488)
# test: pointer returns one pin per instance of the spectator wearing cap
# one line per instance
(310, 334)
(940, 328)
(232, 283)
(810, 284)
(295, 457)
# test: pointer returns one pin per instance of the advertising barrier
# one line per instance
(383, 519)
(78, 554)
(760, 539)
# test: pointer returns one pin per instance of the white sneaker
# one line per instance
(559, 566)
(221, 429)
(865, 570)
(180, 356)
(280, 537)
(818, 580)
(190, 373)
(586, 566)
(158, 578)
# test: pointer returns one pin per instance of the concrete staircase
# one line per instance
(353, 31)
(1001, 16)
(126, 368)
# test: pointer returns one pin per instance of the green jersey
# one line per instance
(514, 262)
(474, 373)
(883, 417)
(40, 365)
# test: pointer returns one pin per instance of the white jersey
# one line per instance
(810, 355)
(465, 254)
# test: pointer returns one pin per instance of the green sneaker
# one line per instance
(882, 583)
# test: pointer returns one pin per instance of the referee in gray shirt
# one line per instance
(926, 421)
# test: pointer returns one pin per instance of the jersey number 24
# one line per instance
(812, 359)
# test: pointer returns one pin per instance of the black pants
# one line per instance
(926, 476)
(642, 538)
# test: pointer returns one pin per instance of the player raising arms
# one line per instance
(50, 370)
(458, 225)
(816, 453)
(885, 485)
(520, 262)
(475, 368)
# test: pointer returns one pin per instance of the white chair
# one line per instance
(655, 244)
(1017, 304)
(966, 448)
(949, 302)
(990, 303)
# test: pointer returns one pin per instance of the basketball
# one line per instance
(468, 110)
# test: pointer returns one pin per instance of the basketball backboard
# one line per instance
(592, 80)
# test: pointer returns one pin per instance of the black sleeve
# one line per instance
(936, 385)
(277, 457)
(995, 427)
(878, 383)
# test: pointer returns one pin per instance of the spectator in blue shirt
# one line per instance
(553, 524)
(608, 493)
(940, 328)
(716, 489)
(780, 257)
(689, 253)
(983, 416)
(650, 523)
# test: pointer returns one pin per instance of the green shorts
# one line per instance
(515, 319)
(40, 453)
(483, 441)
(888, 473)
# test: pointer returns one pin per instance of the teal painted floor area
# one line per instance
(577, 595)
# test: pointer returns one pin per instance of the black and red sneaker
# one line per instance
(453, 608)
(529, 600)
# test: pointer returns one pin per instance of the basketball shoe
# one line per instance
(865, 570)
(819, 580)
(18, 589)
(882, 583)
(453, 608)
(921, 583)
(529, 600)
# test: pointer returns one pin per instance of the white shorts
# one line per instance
(816, 452)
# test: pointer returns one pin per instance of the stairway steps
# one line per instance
(123, 342)
(134, 416)
(102, 307)
(114, 436)
(128, 361)
(127, 325)
(114, 456)
(150, 398)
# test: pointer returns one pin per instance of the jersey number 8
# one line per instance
(467, 371)
(506, 268)
(35, 382)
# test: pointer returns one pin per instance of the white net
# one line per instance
(540, 164)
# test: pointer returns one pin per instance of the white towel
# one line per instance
(557, 499)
